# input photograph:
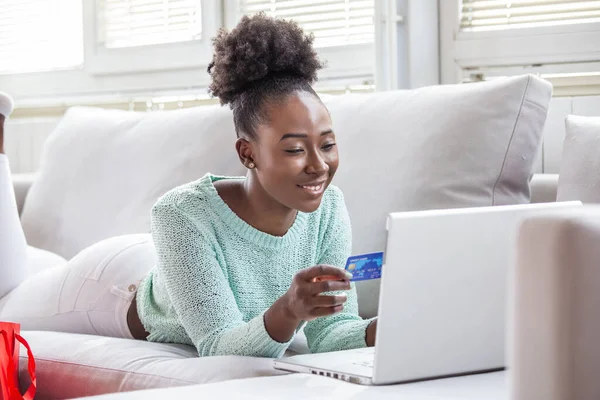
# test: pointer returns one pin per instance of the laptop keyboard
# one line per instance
(364, 363)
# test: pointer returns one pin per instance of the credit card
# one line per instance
(365, 266)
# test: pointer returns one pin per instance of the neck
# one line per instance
(264, 212)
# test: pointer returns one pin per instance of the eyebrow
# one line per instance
(302, 135)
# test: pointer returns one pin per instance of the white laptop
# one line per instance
(443, 300)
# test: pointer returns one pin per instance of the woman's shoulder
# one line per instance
(332, 207)
(333, 198)
(190, 199)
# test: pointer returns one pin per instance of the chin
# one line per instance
(309, 206)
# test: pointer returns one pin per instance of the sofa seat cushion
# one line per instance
(73, 365)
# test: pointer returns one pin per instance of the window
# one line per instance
(481, 39)
(129, 49)
(150, 35)
(131, 23)
(504, 14)
(333, 22)
(344, 33)
(40, 35)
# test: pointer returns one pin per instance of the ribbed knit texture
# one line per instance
(217, 275)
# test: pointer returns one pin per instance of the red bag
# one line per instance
(9, 363)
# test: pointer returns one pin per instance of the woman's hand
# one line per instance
(371, 333)
(304, 300)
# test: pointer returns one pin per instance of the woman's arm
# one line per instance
(305, 301)
(371, 333)
(205, 304)
(346, 330)
(202, 298)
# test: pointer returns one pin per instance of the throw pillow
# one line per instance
(102, 170)
(447, 146)
(579, 177)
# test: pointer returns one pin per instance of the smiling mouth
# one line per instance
(314, 189)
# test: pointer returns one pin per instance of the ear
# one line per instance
(245, 153)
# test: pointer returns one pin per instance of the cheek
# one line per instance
(333, 160)
(283, 164)
(280, 169)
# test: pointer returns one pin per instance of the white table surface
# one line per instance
(491, 386)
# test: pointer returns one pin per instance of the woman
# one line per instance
(242, 263)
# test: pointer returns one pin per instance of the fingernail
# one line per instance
(349, 275)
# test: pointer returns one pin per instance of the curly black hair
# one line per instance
(261, 61)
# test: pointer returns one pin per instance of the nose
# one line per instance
(316, 164)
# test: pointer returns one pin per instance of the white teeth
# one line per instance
(313, 188)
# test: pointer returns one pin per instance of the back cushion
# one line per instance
(579, 177)
(102, 170)
(432, 148)
(435, 147)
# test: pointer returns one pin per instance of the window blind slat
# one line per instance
(333, 22)
(132, 23)
(505, 14)
(40, 35)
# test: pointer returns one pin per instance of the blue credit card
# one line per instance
(365, 266)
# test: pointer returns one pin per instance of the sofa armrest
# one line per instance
(554, 320)
(21, 184)
(544, 188)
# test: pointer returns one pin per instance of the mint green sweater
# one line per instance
(216, 275)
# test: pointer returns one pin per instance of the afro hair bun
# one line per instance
(258, 47)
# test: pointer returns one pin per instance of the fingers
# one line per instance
(307, 294)
(330, 301)
(320, 270)
(329, 286)
(326, 311)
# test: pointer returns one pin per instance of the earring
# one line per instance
(251, 165)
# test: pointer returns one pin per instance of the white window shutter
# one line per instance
(506, 14)
(133, 23)
(333, 22)
(40, 35)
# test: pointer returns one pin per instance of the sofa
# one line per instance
(101, 170)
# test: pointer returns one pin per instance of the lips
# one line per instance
(313, 187)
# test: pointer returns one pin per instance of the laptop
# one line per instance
(443, 300)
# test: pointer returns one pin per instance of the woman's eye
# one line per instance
(328, 146)
(294, 151)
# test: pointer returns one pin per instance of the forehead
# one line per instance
(299, 112)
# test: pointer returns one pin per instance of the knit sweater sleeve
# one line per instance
(200, 292)
(346, 330)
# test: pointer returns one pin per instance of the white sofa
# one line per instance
(438, 147)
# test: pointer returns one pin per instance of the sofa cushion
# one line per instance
(488, 386)
(544, 188)
(38, 260)
(73, 365)
(102, 170)
(437, 147)
(579, 177)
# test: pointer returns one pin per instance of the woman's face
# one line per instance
(296, 154)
